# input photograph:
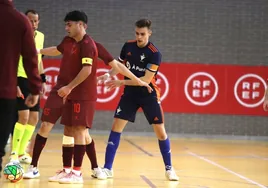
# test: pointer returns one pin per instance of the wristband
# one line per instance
(43, 78)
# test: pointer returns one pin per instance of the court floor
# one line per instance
(200, 163)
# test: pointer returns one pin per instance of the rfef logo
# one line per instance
(162, 83)
(249, 90)
(104, 95)
(51, 77)
(201, 88)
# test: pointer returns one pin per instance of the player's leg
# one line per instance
(67, 154)
(24, 157)
(19, 129)
(91, 153)
(125, 111)
(79, 133)
(23, 116)
(51, 113)
(155, 116)
(81, 113)
(7, 111)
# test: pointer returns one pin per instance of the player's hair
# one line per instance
(143, 23)
(33, 12)
(76, 15)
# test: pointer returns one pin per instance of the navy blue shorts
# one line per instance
(129, 105)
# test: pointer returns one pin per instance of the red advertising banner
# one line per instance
(192, 88)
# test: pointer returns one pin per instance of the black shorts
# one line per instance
(24, 87)
(129, 105)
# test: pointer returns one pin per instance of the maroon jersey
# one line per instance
(103, 54)
(16, 39)
(75, 56)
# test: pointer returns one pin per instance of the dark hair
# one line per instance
(33, 12)
(76, 15)
(143, 23)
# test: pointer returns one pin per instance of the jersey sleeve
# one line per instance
(103, 54)
(88, 52)
(155, 62)
(122, 56)
(60, 47)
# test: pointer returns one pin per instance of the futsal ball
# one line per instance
(13, 172)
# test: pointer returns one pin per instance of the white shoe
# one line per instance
(60, 174)
(31, 173)
(108, 173)
(72, 178)
(99, 174)
(25, 158)
(14, 158)
(171, 175)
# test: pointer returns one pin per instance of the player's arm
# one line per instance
(50, 51)
(150, 71)
(88, 52)
(117, 67)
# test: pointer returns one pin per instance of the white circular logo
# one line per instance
(51, 77)
(104, 95)
(201, 88)
(162, 83)
(249, 90)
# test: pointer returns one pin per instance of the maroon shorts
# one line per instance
(53, 108)
(72, 113)
(78, 112)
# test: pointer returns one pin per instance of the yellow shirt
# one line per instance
(39, 44)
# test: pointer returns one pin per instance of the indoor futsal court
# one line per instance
(200, 163)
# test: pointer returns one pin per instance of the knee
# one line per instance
(68, 131)
(162, 136)
(33, 120)
(23, 119)
(45, 128)
(88, 139)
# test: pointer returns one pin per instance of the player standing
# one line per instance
(143, 59)
(79, 60)
(27, 117)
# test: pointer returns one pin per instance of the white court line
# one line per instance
(259, 157)
(226, 169)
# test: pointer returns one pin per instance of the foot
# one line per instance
(99, 174)
(109, 173)
(31, 173)
(171, 175)
(14, 158)
(60, 174)
(72, 178)
(25, 158)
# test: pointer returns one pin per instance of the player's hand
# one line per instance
(44, 89)
(31, 100)
(19, 93)
(101, 79)
(142, 83)
(265, 105)
(112, 84)
(64, 91)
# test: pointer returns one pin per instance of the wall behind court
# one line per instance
(207, 31)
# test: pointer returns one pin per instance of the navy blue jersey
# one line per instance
(138, 60)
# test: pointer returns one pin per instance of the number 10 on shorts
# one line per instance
(76, 107)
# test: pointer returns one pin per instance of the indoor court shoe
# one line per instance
(14, 158)
(171, 175)
(72, 178)
(60, 174)
(31, 173)
(108, 173)
(25, 158)
(99, 174)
